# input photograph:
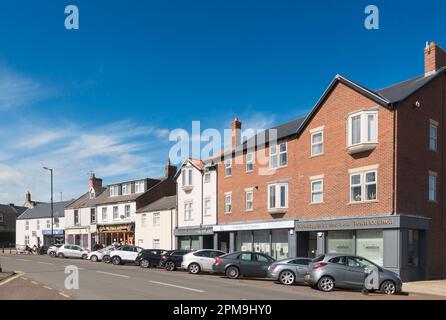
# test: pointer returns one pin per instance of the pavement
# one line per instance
(43, 277)
(433, 287)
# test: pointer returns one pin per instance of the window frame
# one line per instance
(187, 213)
(228, 167)
(93, 217)
(363, 185)
(247, 192)
(433, 125)
(76, 218)
(156, 219)
(139, 186)
(249, 162)
(364, 128)
(434, 175)
(144, 220)
(278, 155)
(228, 195)
(207, 210)
(313, 191)
(313, 144)
(117, 213)
(277, 195)
(104, 214)
(114, 191)
(129, 211)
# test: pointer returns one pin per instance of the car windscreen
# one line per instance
(318, 259)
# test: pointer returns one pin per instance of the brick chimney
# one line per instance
(94, 182)
(170, 170)
(236, 127)
(434, 58)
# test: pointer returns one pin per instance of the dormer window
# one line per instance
(114, 191)
(187, 179)
(139, 186)
(92, 194)
(362, 131)
(126, 189)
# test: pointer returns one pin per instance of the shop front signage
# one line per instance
(56, 232)
(194, 231)
(255, 226)
(116, 228)
(348, 224)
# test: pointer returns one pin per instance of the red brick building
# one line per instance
(361, 174)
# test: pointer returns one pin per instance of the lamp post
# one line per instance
(52, 211)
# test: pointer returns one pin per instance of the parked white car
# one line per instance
(72, 251)
(125, 254)
(53, 249)
(200, 260)
(99, 254)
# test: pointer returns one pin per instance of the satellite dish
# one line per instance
(122, 216)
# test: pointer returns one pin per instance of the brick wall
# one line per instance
(334, 165)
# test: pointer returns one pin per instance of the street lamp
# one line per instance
(52, 211)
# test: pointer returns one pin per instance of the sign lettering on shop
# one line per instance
(115, 228)
(346, 224)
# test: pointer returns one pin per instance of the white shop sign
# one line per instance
(255, 226)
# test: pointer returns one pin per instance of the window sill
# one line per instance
(277, 168)
(277, 210)
(316, 203)
(361, 147)
(362, 202)
(316, 155)
(187, 188)
(432, 201)
(250, 171)
(228, 212)
(249, 210)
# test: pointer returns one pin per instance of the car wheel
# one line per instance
(388, 287)
(52, 254)
(116, 261)
(194, 268)
(61, 255)
(144, 263)
(106, 259)
(94, 258)
(170, 266)
(326, 284)
(84, 256)
(232, 272)
(287, 277)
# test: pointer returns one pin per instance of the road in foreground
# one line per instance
(106, 281)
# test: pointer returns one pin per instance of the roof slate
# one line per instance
(43, 210)
(164, 203)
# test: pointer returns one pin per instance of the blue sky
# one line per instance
(104, 98)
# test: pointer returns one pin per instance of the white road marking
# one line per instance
(113, 274)
(47, 263)
(24, 278)
(175, 286)
(18, 275)
(64, 295)
(23, 260)
(49, 288)
(33, 282)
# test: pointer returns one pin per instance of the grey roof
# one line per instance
(43, 210)
(403, 90)
(164, 203)
(11, 209)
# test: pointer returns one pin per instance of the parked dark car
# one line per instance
(243, 263)
(329, 271)
(171, 260)
(149, 258)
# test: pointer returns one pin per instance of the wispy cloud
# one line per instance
(119, 150)
(17, 90)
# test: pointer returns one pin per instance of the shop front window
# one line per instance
(340, 242)
(262, 242)
(279, 244)
(244, 240)
(369, 244)
(413, 248)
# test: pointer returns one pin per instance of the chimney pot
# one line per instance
(434, 58)
(236, 128)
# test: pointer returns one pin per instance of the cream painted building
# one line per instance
(155, 224)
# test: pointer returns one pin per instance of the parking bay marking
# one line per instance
(23, 260)
(47, 263)
(175, 286)
(113, 274)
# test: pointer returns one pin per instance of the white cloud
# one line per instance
(17, 90)
(120, 150)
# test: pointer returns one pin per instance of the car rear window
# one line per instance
(318, 259)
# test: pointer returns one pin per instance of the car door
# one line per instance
(134, 253)
(77, 251)
(355, 275)
(263, 262)
(337, 269)
(248, 264)
(301, 268)
(209, 259)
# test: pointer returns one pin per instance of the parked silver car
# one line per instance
(72, 251)
(347, 271)
(289, 271)
(200, 260)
